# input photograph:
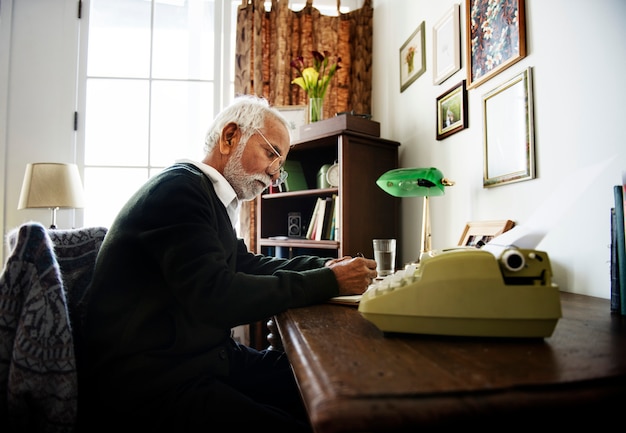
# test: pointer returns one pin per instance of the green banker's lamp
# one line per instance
(416, 182)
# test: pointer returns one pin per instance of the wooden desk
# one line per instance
(354, 378)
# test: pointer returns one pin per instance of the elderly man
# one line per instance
(172, 279)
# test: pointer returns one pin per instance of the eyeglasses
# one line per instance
(276, 165)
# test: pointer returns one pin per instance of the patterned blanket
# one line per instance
(41, 285)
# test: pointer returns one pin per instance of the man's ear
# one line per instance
(231, 134)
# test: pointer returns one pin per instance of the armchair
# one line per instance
(41, 285)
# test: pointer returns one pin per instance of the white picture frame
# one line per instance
(447, 45)
(296, 116)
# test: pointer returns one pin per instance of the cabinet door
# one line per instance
(367, 211)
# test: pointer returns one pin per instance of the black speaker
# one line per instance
(294, 225)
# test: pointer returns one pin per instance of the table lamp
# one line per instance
(51, 185)
(416, 182)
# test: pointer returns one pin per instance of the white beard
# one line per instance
(247, 186)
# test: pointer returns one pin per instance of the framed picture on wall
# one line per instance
(495, 38)
(478, 233)
(296, 116)
(452, 111)
(413, 57)
(509, 144)
(447, 45)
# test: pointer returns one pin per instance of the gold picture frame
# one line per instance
(508, 127)
(495, 38)
(413, 57)
(478, 233)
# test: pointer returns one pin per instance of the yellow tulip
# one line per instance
(314, 80)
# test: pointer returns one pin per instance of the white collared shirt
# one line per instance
(224, 191)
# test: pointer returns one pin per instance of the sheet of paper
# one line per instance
(346, 300)
(554, 208)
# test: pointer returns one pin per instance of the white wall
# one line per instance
(39, 41)
(575, 49)
(5, 38)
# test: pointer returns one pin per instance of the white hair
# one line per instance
(248, 112)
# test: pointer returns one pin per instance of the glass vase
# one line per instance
(316, 109)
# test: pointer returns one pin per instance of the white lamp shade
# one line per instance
(51, 185)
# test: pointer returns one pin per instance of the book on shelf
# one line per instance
(335, 223)
(321, 218)
(328, 218)
(310, 234)
(330, 234)
(620, 244)
(317, 219)
(322, 225)
(615, 291)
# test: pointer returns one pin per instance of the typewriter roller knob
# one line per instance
(513, 260)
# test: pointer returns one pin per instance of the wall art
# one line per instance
(447, 45)
(452, 111)
(495, 37)
(413, 57)
(509, 144)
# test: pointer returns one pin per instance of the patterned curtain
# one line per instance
(268, 41)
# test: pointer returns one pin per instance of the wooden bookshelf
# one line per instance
(365, 211)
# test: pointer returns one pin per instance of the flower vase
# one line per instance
(316, 109)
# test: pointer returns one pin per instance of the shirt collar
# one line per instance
(224, 191)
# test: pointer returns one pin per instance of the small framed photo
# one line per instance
(478, 233)
(509, 144)
(296, 116)
(413, 57)
(452, 111)
(447, 45)
(495, 38)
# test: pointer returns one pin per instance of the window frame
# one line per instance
(223, 79)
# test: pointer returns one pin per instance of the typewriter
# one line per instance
(465, 291)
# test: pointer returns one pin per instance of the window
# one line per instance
(152, 75)
(154, 72)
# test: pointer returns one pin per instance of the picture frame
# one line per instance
(509, 144)
(492, 45)
(478, 233)
(296, 116)
(452, 111)
(447, 45)
(413, 57)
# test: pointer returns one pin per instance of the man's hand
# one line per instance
(353, 274)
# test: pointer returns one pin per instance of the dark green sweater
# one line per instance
(171, 280)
